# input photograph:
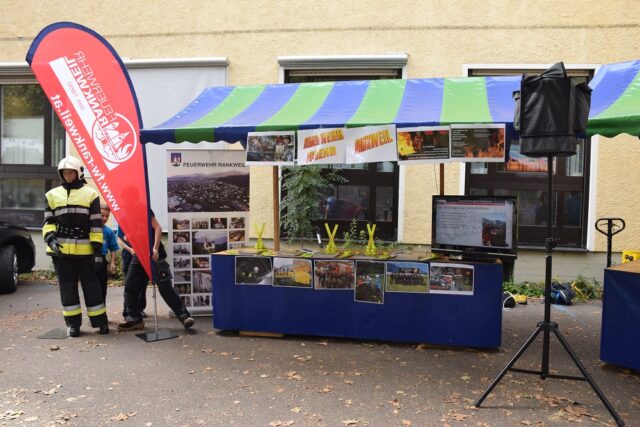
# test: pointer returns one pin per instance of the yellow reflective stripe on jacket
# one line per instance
(82, 203)
(74, 247)
(48, 228)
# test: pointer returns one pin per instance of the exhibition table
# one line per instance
(473, 319)
(621, 315)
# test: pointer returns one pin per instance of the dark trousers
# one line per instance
(136, 282)
(103, 276)
(70, 269)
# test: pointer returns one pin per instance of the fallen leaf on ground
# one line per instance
(293, 375)
(123, 417)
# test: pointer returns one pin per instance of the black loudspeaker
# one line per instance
(551, 111)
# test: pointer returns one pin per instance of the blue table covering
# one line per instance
(620, 338)
(459, 320)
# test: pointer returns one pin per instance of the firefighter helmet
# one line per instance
(71, 162)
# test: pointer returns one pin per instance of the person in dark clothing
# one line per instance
(137, 279)
(127, 256)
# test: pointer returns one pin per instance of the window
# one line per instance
(526, 177)
(32, 142)
(370, 194)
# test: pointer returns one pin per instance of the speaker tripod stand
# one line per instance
(546, 327)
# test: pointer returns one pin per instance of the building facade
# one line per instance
(174, 49)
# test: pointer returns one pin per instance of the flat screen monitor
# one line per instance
(475, 225)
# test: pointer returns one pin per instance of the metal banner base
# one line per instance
(156, 336)
(55, 334)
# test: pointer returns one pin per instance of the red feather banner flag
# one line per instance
(91, 92)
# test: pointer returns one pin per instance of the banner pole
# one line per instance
(442, 179)
(276, 209)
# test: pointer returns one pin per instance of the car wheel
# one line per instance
(8, 269)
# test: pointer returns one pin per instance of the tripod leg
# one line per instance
(508, 366)
(586, 375)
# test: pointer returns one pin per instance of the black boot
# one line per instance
(73, 331)
(104, 330)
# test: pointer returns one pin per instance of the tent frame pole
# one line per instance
(276, 209)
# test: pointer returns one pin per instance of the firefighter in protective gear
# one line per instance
(73, 234)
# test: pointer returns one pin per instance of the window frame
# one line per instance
(585, 237)
(20, 73)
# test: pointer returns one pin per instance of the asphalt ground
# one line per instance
(205, 377)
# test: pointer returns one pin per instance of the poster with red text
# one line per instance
(371, 144)
(90, 91)
(321, 146)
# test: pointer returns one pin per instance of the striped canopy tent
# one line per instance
(615, 101)
(229, 113)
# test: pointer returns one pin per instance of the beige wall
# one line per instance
(439, 37)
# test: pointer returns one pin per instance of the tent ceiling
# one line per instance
(229, 113)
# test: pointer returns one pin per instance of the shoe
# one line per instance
(130, 325)
(187, 322)
(104, 330)
(73, 331)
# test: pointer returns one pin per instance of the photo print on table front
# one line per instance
(333, 274)
(409, 277)
(206, 242)
(370, 281)
(253, 271)
(452, 279)
(292, 272)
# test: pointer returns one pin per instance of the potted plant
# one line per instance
(302, 189)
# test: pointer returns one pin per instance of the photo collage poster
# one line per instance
(368, 280)
(208, 212)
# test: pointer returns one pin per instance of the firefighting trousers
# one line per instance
(70, 269)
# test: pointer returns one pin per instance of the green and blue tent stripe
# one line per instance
(615, 100)
(230, 113)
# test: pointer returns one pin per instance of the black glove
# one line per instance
(53, 243)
